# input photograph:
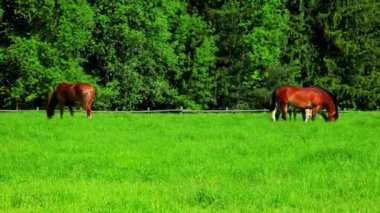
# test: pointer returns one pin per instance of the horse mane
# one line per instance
(332, 96)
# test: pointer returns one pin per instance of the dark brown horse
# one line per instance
(304, 98)
(68, 95)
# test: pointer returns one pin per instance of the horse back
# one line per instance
(85, 90)
(300, 97)
(67, 92)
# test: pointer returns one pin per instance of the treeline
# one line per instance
(199, 54)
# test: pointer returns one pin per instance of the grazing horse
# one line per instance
(67, 95)
(304, 98)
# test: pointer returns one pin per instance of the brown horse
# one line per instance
(304, 98)
(67, 95)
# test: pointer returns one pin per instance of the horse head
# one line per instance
(331, 105)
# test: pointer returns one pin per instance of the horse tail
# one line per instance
(93, 92)
(273, 101)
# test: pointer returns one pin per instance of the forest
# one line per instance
(196, 54)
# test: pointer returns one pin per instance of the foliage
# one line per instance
(341, 49)
(195, 54)
(353, 30)
(41, 42)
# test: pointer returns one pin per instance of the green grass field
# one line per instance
(188, 163)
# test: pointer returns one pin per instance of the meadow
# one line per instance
(123, 162)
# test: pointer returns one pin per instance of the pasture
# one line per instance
(122, 162)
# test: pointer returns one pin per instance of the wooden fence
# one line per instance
(179, 110)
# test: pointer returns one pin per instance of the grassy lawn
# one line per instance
(188, 163)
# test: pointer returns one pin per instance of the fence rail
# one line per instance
(191, 111)
(179, 111)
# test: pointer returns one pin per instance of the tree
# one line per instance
(158, 54)
(352, 31)
(250, 38)
(195, 54)
(41, 44)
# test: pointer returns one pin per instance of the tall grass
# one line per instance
(188, 163)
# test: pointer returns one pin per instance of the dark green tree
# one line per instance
(352, 52)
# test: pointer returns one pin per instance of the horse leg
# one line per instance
(61, 107)
(276, 113)
(314, 112)
(325, 116)
(303, 111)
(305, 114)
(291, 112)
(89, 112)
(274, 117)
(90, 106)
(284, 111)
(71, 110)
(87, 108)
(308, 114)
